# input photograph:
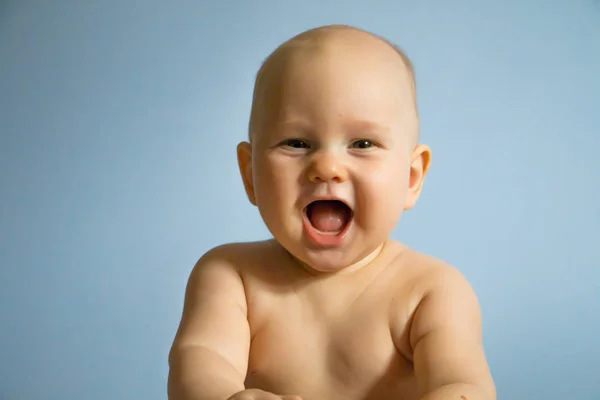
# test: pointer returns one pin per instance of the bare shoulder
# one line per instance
(213, 333)
(215, 289)
(231, 258)
(437, 279)
(428, 275)
(423, 273)
(422, 278)
(443, 333)
(214, 317)
(233, 255)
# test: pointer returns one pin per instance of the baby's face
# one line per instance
(337, 124)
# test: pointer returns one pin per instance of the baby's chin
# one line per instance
(332, 261)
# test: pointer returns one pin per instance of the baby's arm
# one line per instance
(209, 356)
(446, 339)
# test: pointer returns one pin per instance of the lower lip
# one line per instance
(324, 239)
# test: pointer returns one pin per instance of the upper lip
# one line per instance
(324, 198)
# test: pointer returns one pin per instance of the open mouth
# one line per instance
(329, 217)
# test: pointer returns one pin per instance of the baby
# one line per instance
(331, 307)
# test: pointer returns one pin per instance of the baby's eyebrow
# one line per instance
(360, 125)
(354, 125)
(295, 125)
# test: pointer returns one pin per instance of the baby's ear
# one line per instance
(421, 158)
(244, 155)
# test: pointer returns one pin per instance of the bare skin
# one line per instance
(264, 322)
(306, 314)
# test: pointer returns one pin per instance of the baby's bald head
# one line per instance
(320, 42)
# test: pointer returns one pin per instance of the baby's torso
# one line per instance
(330, 338)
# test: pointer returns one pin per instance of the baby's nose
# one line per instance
(327, 167)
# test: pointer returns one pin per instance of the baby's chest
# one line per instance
(300, 349)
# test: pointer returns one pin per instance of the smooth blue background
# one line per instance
(119, 122)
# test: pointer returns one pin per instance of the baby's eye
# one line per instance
(296, 144)
(362, 144)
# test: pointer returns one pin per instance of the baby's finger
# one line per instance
(291, 397)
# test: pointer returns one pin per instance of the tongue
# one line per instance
(328, 216)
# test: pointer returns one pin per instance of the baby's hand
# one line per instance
(257, 394)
